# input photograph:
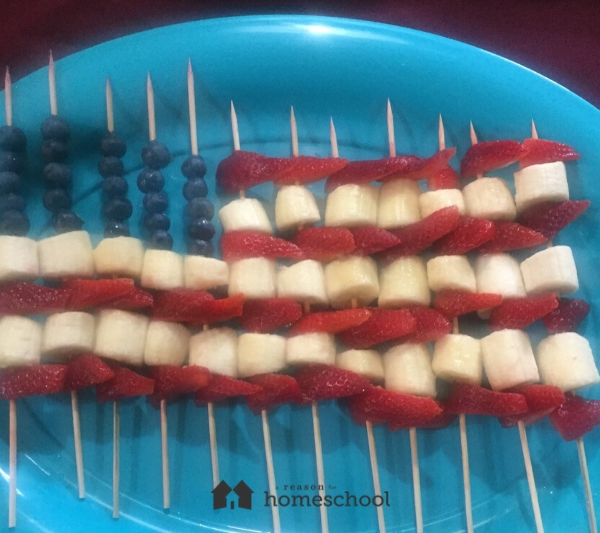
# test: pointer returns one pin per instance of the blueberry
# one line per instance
(195, 188)
(114, 228)
(11, 202)
(110, 166)
(157, 221)
(201, 229)
(12, 162)
(200, 208)
(118, 209)
(12, 139)
(58, 175)
(160, 240)
(55, 128)
(53, 150)
(9, 182)
(56, 200)
(14, 223)
(115, 186)
(199, 247)
(150, 180)
(112, 144)
(156, 202)
(65, 221)
(156, 155)
(193, 167)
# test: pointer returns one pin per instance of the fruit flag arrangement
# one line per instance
(312, 312)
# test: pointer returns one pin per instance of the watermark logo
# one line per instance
(316, 497)
(222, 491)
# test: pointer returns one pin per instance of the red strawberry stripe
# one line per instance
(124, 384)
(305, 169)
(548, 218)
(277, 389)
(330, 321)
(324, 244)
(222, 387)
(136, 299)
(242, 170)
(326, 382)
(431, 325)
(518, 313)
(486, 156)
(24, 298)
(567, 316)
(541, 401)
(446, 178)
(458, 303)
(511, 236)
(371, 239)
(88, 293)
(576, 417)
(238, 245)
(36, 380)
(267, 314)
(383, 325)
(419, 169)
(180, 305)
(218, 310)
(470, 233)
(86, 370)
(536, 151)
(172, 381)
(470, 399)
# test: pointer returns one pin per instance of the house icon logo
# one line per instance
(222, 491)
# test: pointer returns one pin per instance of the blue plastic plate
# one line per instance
(324, 67)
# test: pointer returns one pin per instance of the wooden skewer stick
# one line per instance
(270, 469)
(192, 107)
(110, 114)
(473, 136)
(414, 446)
(8, 97)
(52, 85)
(151, 112)
(235, 131)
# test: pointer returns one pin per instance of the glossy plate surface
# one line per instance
(324, 67)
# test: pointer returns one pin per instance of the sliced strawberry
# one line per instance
(237, 245)
(446, 178)
(330, 321)
(549, 218)
(324, 244)
(420, 169)
(458, 303)
(304, 169)
(242, 170)
(567, 316)
(276, 389)
(470, 233)
(511, 236)
(383, 325)
(470, 399)
(536, 151)
(180, 305)
(124, 384)
(576, 417)
(136, 299)
(486, 156)
(36, 380)
(218, 310)
(326, 382)
(415, 237)
(431, 325)
(23, 298)
(172, 381)
(221, 388)
(518, 313)
(86, 370)
(268, 314)
(93, 292)
(444, 419)
(371, 239)
(541, 400)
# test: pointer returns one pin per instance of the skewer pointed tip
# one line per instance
(534, 133)
(51, 58)
(472, 133)
(189, 63)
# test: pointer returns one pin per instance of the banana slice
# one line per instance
(215, 349)
(18, 258)
(489, 198)
(433, 201)
(408, 370)
(352, 277)
(167, 343)
(499, 274)
(541, 183)
(21, 341)
(367, 363)
(458, 358)
(551, 270)
(451, 272)
(260, 353)
(398, 204)
(310, 348)
(119, 256)
(352, 205)
(121, 335)
(162, 270)
(202, 273)
(68, 333)
(404, 282)
(66, 255)
(303, 282)
(245, 214)
(254, 278)
(295, 205)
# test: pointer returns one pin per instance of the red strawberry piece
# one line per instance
(431, 325)
(444, 419)
(136, 299)
(268, 314)
(180, 305)
(418, 169)
(86, 370)
(536, 151)
(549, 218)
(124, 384)
(541, 400)
(518, 313)
(567, 316)
(470, 399)
(486, 156)
(36, 380)
(574, 418)
(447, 178)
(171, 381)
(304, 169)
(470, 233)
(458, 303)
(327, 382)
(242, 170)
(330, 321)
(93, 292)
(400, 410)
(218, 310)
(511, 236)
(324, 244)
(222, 387)
(414, 238)
(23, 298)
(383, 325)
(237, 245)
(371, 239)
(276, 389)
